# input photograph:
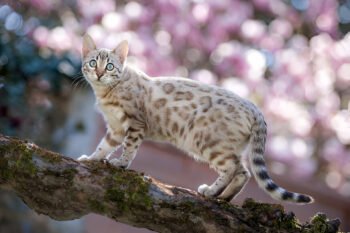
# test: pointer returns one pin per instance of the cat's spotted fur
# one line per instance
(210, 123)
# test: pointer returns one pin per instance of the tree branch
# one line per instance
(65, 189)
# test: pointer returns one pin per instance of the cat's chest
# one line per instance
(114, 115)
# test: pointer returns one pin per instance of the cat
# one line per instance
(211, 124)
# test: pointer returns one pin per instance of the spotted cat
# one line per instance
(211, 124)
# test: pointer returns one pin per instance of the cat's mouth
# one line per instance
(103, 81)
(94, 78)
(99, 78)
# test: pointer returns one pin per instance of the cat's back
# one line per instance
(185, 91)
(179, 108)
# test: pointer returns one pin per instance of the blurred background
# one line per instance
(290, 57)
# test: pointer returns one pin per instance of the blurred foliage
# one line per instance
(31, 81)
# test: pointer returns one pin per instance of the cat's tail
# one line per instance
(258, 166)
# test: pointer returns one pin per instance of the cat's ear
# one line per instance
(88, 45)
(122, 51)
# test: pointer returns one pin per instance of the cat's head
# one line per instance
(103, 66)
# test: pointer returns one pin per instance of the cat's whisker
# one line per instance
(75, 81)
(78, 83)
(80, 73)
(77, 77)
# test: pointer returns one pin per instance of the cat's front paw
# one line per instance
(84, 158)
(119, 163)
(206, 191)
(203, 188)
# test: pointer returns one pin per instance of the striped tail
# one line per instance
(258, 166)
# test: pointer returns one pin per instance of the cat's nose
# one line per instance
(99, 75)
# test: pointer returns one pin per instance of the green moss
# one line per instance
(128, 190)
(115, 195)
(96, 206)
(25, 164)
(118, 197)
(5, 172)
(271, 215)
(288, 221)
(188, 206)
(52, 158)
(19, 164)
(69, 173)
(226, 205)
(319, 224)
(319, 218)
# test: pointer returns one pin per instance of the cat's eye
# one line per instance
(110, 66)
(93, 63)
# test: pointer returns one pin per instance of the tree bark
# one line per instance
(65, 189)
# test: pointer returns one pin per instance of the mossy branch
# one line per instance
(65, 189)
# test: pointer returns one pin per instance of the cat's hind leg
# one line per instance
(225, 165)
(239, 180)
